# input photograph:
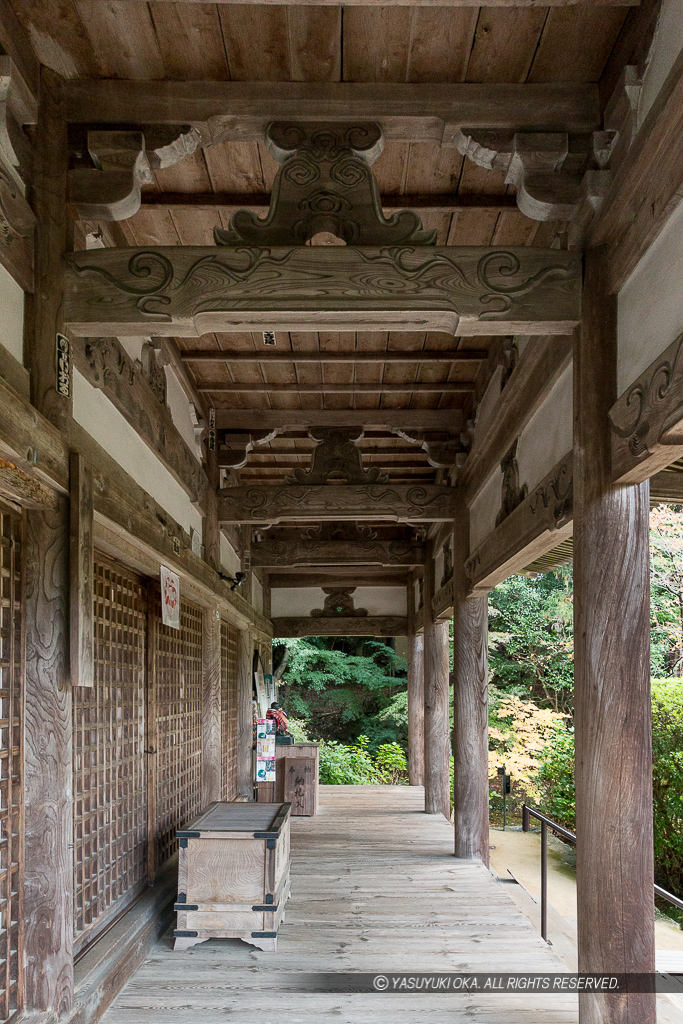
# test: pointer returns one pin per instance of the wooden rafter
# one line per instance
(441, 387)
(273, 554)
(212, 355)
(227, 202)
(257, 419)
(371, 625)
(410, 112)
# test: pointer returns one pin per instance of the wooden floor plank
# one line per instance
(375, 888)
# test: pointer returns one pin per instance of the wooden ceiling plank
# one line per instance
(472, 228)
(513, 228)
(195, 227)
(376, 44)
(504, 44)
(122, 38)
(407, 111)
(315, 43)
(256, 42)
(17, 45)
(578, 41)
(231, 166)
(190, 40)
(188, 175)
(440, 43)
(62, 43)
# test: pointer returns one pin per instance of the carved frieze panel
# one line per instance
(647, 420)
(336, 455)
(190, 290)
(324, 185)
(396, 502)
(372, 625)
(445, 449)
(273, 553)
(539, 522)
(339, 602)
(106, 365)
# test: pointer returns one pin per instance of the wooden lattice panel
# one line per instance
(11, 767)
(110, 803)
(178, 712)
(228, 711)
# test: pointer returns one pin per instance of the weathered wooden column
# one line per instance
(211, 532)
(48, 796)
(416, 715)
(211, 704)
(615, 867)
(470, 707)
(436, 726)
(245, 728)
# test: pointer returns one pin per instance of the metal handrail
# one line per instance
(563, 833)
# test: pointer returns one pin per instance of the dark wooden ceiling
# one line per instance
(130, 39)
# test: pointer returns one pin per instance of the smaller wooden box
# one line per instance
(300, 784)
(268, 792)
(233, 874)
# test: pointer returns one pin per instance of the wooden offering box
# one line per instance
(233, 874)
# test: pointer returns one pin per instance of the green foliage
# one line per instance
(667, 781)
(342, 687)
(555, 779)
(391, 764)
(531, 638)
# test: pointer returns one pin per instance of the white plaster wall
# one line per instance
(257, 595)
(11, 316)
(179, 407)
(548, 436)
(667, 45)
(230, 560)
(650, 308)
(292, 601)
(96, 414)
(484, 510)
(438, 567)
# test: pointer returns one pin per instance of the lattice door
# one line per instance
(178, 714)
(228, 711)
(11, 767)
(110, 802)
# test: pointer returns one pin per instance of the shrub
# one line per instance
(391, 764)
(342, 765)
(667, 781)
(555, 778)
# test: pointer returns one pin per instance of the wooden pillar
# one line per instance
(615, 867)
(416, 712)
(48, 199)
(48, 909)
(211, 705)
(436, 727)
(211, 533)
(245, 718)
(470, 707)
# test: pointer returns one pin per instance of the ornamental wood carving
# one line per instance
(647, 420)
(124, 161)
(187, 291)
(106, 365)
(339, 601)
(554, 172)
(234, 448)
(373, 625)
(538, 524)
(324, 184)
(397, 502)
(445, 449)
(442, 602)
(336, 455)
(272, 553)
(512, 494)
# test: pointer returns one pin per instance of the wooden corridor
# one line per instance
(374, 888)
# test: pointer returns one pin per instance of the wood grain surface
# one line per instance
(436, 687)
(416, 711)
(611, 679)
(211, 704)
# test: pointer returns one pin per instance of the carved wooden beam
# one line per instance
(276, 504)
(538, 369)
(442, 603)
(191, 290)
(410, 112)
(106, 365)
(254, 419)
(667, 485)
(371, 625)
(647, 420)
(201, 355)
(234, 449)
(17, 219)
(281, 553)
(539, 523)
(443, 449)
